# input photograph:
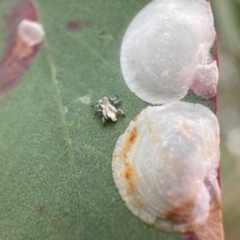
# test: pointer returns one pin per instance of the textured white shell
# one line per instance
(206, 79)
(163, 48)
(30, 32)
(164, 165)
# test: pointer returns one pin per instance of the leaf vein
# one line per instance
(65, 129)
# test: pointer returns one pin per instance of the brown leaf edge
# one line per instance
(18, 57)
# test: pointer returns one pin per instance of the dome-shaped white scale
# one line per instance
(164, 166)
(30, 32)
(166, 48)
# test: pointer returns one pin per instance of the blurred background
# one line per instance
(227, 22)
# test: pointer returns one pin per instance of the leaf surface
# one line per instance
(55, 155)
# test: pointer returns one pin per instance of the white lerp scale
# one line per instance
(164, 166)
(30, 32)
(165, 51)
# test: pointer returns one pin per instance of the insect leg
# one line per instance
(114, 100)
(103, 120)
(121, 111)
(99, 110)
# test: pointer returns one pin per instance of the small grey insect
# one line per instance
(107, 106)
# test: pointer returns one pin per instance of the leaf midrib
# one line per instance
(68, 141)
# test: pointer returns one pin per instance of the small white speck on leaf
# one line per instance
(30, 32)
(86, 99)
(65, 109)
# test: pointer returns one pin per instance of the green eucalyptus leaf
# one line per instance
(55, 155)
